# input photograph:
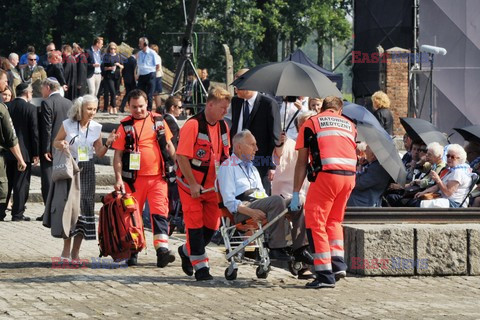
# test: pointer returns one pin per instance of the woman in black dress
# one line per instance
(111, 67)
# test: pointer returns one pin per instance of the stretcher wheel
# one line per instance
(262, 274)
(231, 276)
(294, 267)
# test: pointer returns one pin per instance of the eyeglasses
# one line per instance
(179, 107)
(449, 156)
(423, 150)
(32, 59)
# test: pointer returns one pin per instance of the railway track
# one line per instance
(411, 215)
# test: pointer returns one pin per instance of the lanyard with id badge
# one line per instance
(82, 149)
(252, 192)
(134, 158)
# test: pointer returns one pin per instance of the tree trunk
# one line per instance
(320, 53)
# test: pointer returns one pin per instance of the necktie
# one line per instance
(246, 114)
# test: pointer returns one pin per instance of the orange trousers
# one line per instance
(202, 218)
(324, 211)
(155, 190)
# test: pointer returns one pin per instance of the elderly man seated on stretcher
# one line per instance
(244, 196)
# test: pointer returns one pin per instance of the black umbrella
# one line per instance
(359, 113)
(383, 147)
(470, 133)
(419, 129)
(287, 78)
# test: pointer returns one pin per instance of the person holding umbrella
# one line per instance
(328, 140)
(370, 184)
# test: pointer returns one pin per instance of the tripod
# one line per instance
(184, 63)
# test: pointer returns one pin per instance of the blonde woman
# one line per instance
(82, 136)
(381, 105)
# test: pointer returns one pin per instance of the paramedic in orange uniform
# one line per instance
(326, 144)
(140, 130)
(203, 145)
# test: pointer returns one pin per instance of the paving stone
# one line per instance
(27, 281)
(444, 247)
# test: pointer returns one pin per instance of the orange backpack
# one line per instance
(120, 227)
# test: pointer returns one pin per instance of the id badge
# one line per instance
(259, 195)
(134, 161)
(82, 152)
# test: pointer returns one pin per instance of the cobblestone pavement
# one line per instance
(31, 289)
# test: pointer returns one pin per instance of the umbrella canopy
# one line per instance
(300, 57)
(359, 113)
(287, 78)
(419, 129)
(384, 149)
(470, 133)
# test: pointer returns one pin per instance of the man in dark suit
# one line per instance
(53, 111)
(128, 74)
(261, 115)
(24, 118)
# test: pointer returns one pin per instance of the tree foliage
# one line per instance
(254, 30)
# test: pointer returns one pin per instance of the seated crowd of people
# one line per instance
(433, 171)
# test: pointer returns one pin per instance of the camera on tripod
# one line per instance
(177, 51)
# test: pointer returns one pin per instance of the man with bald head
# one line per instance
(244, 196)
(260, 114)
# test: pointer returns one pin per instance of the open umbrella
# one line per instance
(359, 113)
(419, 129)
(470, 133)
(384, 149)
(287, 78)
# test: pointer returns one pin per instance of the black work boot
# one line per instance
(164, 257)
(186, 263)
(133, 260)
(203, 274)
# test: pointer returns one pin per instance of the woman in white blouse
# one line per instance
(452, 184)
(82, 136)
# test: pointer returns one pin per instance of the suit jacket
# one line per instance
(174, 128)
(128, 71)
(56, 71)
(264, 123)
(70, 73)
(369, 186)
(25, 121)
(90, 62)
(52, 113)
(82, 66)
(385, 117)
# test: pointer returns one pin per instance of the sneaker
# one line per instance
(316, 284)
(164, 257)
(186, 263)
(133, 261)
(203, 274)
(340, 274)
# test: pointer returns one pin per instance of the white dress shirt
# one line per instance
(251, 102)
(234, 178)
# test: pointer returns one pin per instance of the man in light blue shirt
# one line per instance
(244, 196)
(148, 63)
